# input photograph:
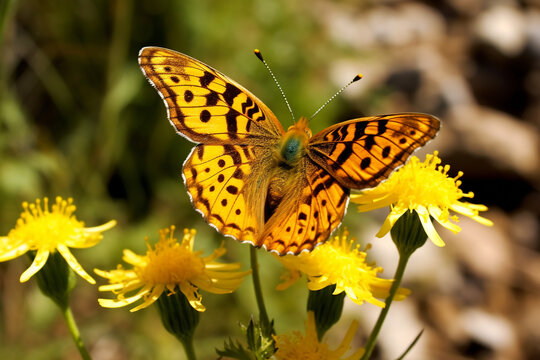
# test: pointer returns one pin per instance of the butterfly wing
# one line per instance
(235, 131)
(351, 155)
(204, 105)
(309, 212)
(230, 171)
(361, 153)
(218, 180)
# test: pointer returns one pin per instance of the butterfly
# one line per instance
(282, 190)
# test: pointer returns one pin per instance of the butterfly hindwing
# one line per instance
(361, 153)
(215, 176)
(305, 219)
(204, 105)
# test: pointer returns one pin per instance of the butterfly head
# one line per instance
(293, 144)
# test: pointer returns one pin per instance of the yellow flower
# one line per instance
(427, 189)
(338, 262)
(170, 265)
(45, 232)
(308, 347)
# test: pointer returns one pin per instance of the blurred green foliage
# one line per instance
(78, 119)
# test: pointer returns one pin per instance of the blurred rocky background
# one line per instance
(77, 118)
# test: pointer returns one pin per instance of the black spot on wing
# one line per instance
(218, 218)
(360, 129)
(200, 151)
(206, 79)
(369, 141)
(188, 96)
(364, 164)
(238, 174)
(233, 225)
(247, 105)
(345, 154)
(212, 98)
(232, 125)
(230, 93)
(255, 109)
(381, 126)
(205, 116)
(233, 153)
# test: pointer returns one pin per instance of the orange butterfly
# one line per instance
(283, 190)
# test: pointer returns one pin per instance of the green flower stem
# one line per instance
(263, 315)
(75, 334)
(188, 347)
(370, 345)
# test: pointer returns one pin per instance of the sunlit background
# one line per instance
(78, 119)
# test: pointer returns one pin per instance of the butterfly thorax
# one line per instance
(292, 147)
(288, 166)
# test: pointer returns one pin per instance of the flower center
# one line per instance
(42, 229)
(172, 263)
(427, 183)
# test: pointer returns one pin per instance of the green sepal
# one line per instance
(177, 315)
(56, 279)
(408, 233)
(326, 307)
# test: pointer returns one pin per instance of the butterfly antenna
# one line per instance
(356, 78)
(259, 55)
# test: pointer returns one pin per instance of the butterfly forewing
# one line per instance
(204, 105)
(361, 153)
(229, 122)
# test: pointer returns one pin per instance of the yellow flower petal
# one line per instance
(114, 303)
(337, 262)
(426, 188)
(39, 261)
(8, 252)
(46, 231)
(471, 210)
(194, 298)
(297, 346)
(390, 221)
(150, 297)
(169, 266)
(428, 227)
(73, 263)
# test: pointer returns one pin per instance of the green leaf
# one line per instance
(260, 343)
(233, 349)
